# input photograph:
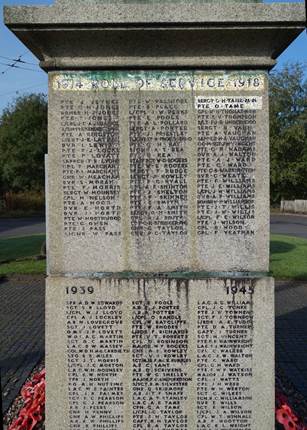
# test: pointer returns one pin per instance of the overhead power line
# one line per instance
(18, 60)
(8, 68)
(14, 66)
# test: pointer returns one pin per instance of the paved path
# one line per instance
(291, 332)
(291, 225)
(22, 332)
(10, 227)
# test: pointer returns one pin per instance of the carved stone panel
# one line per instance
(158, 171)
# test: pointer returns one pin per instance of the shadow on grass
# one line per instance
(288, 259)
(278, 247)
(23, 247)
(300, 277)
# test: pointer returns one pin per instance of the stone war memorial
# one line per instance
(160, 307)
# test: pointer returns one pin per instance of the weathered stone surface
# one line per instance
(178, 354)
(185, 34)
(158, 171)
(157, 2)
(148, 13)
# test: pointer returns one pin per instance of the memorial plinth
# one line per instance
(160, 311)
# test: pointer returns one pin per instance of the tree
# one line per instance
(23, 143)
(288, 133)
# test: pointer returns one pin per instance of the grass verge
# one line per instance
(21, 249)
(23, 267)
(13, 248)
(288, 257)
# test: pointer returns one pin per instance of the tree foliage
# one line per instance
(23, 143)
(288, 133)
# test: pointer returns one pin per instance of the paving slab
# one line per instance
(291, 331)
(22, 332)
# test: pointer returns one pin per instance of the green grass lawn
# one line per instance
(18, 248)
(288, 256)
(23, 267)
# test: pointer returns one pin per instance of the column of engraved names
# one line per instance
(226, 172)
(90, 167)
(159, 354)
(158, 135)
(224, 363)
(95, 367)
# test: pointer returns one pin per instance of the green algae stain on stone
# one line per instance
(157, 80)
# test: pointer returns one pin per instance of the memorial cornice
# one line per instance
(185, 35)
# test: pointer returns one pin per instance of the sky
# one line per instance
(15, 82)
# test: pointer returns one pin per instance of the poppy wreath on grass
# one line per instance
(285, 416)
(33, 395)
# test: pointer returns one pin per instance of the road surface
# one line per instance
(10, 227)
(291, 225)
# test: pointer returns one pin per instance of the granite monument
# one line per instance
(160, 308)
